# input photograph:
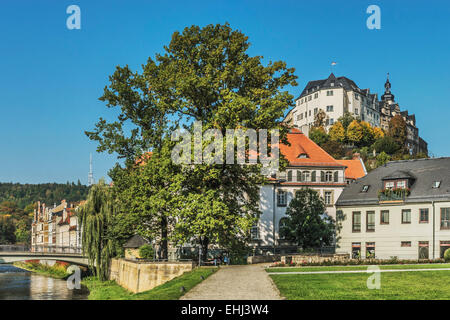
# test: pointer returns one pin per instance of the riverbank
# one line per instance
(58, 270)
(171, 290)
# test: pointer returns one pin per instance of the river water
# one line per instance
(18, 284)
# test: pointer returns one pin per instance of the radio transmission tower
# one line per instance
(91, 174)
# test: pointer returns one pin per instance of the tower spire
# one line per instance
(91, 174)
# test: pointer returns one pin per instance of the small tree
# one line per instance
(146, 252)
(318, 135)
(319, 119)
(355, 132)
(307, 224)
(397, 129)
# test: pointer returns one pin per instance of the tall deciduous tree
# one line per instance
(306, 224)
(205, 75)
(337, 132)
(397, 129)
(355, 132)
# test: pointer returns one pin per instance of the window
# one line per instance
(331, 121)
(405, 244)
(401, 184)
(423, 215)
(384, 217)
(281, 198)
(329, 92)
(316, 95)
(309, 98)
(445, 218)
(370, 250)
(329, 108)
(436, 184)
(315, 111)
(423, 249)
(313, 176)
(310, 113)
(336, 176)
(389, 184)
(406, 216)
(356, 222)
(289, 175)
(370, 215)
(326, 176)
(254, 232)
(356, 96)
(299, 175)
(356, 111)
(328, 195)
(356, 250)
(305, 176)
(365, 188)
(282, 225)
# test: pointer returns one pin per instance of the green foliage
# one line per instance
(397, 130)
(387, 145)
(49, 193)
(147, 252)
(447, 255)
(318, 135)
(382, 158)
(346, 119)
(96, 218)
(306, 224)
(15, 223)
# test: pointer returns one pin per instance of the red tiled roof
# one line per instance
(301, 144)
(355, 169)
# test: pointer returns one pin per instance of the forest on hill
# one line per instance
(49, 193)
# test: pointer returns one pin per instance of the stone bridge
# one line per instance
(14, 256)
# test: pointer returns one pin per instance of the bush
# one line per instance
(146, 252)
(447, 255)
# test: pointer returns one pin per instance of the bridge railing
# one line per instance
(56, 249)
(40, 248)
(14, 247)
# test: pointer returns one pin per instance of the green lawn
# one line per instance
(349, 268)
(426, 285)
(110, 290)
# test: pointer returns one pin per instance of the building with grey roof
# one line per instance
(400, 209)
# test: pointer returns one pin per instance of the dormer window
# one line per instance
(365, 188)
(436, 184)
(401, 184)
(303, 156)
(389, 185)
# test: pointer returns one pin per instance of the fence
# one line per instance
(13, 248)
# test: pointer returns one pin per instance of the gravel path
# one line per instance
(248, 282)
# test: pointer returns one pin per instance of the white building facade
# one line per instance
(412, 224)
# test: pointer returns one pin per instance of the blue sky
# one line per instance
(51, 77)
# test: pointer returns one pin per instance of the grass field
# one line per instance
(426, 285)
(349, 268)
(110, 290)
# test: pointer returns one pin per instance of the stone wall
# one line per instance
(303, 258)
(262, 259)
(138, 276)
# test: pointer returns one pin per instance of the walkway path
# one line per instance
(360, 271)
(249, 282)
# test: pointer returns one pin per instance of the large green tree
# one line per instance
(307, 224)
(205, 75)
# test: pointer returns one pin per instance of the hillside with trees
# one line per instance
(49, 193)
(350, 135)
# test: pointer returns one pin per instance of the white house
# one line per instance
(309, 166)
(401, 209)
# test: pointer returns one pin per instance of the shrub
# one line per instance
(146, 252)
(447, 255)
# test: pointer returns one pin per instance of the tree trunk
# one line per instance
(204, 245)
(164, 244)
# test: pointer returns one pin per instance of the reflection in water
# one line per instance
(17, 284)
